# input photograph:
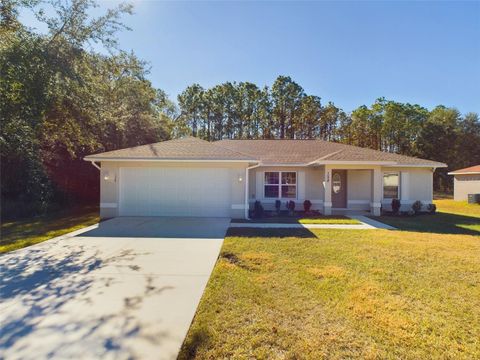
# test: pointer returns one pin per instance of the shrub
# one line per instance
(290, 206)
(258, 210)
(278, 205)
(396, 206)
(432, 208)
(411, 213)
(417, 206)
(307, 204)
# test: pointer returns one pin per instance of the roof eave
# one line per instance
(104, 158)
(355, 162)
(435, 165)
(464, 173)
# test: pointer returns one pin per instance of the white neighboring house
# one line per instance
(193, 177)
(466, 181)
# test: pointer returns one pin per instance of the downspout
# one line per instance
(93, 163)
(246, 188)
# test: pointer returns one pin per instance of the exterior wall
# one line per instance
(359, 189)
(415, 184)
(364, 185)
(109, 189)
(464, 185)
(309, 186)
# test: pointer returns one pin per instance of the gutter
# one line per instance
(464, 173)
(91, 159)
(246, 206)
(93, 163)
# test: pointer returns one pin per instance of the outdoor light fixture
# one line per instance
(240, 179)
(106, 176)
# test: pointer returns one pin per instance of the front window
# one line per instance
(391, 186)
(280, 184)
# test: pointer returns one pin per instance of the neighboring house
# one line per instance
(466, 181)
(193, 177)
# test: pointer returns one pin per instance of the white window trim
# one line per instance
(280, 185)
(399, 185)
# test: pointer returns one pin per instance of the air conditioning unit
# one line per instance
(474, 198)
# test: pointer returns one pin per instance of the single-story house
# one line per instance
(466, 181)
(193, 177)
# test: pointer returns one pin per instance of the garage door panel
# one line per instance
(174, 192)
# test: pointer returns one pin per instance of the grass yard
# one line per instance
(334, 219)
(22, 233)
(453, 217)
(336, 294)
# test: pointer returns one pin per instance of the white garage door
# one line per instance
(174, 192)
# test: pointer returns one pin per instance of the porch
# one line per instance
(332, 189)
(352, 189)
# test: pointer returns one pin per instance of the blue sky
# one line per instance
(347, 52)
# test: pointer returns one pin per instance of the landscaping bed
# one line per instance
(315, 219)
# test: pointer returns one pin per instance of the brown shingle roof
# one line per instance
(264, 151)
(188, 148)
(305, 151)
(472, 169)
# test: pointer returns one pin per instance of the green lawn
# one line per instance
(22, 233)
(453, 217)
(336, 294)
(320, 219)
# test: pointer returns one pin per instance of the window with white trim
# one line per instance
(391, 185)
(280, 185)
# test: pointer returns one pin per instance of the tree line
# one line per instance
(60, 100)
(284, 111)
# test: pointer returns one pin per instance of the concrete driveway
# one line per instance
(125, 290)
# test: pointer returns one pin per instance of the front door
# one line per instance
(339, 188)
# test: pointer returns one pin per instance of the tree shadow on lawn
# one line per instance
(20, 229)
(270, 232)
(39, 290)
(440, 223)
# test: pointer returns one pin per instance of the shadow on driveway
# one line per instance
(162, 227)
(39, 289)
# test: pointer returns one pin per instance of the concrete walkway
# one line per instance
(374, 223)
(366, 224)
(107, 293)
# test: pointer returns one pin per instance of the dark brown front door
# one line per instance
(339, 188)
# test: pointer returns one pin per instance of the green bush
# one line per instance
(258, 210)
(417, 206)
(396, 206)
(278, 205)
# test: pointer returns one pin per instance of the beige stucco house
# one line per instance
(193, 177)
(466, 181)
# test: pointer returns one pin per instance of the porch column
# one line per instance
(377, 185)
(327, 200)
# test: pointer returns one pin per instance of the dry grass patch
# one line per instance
(329, 272)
